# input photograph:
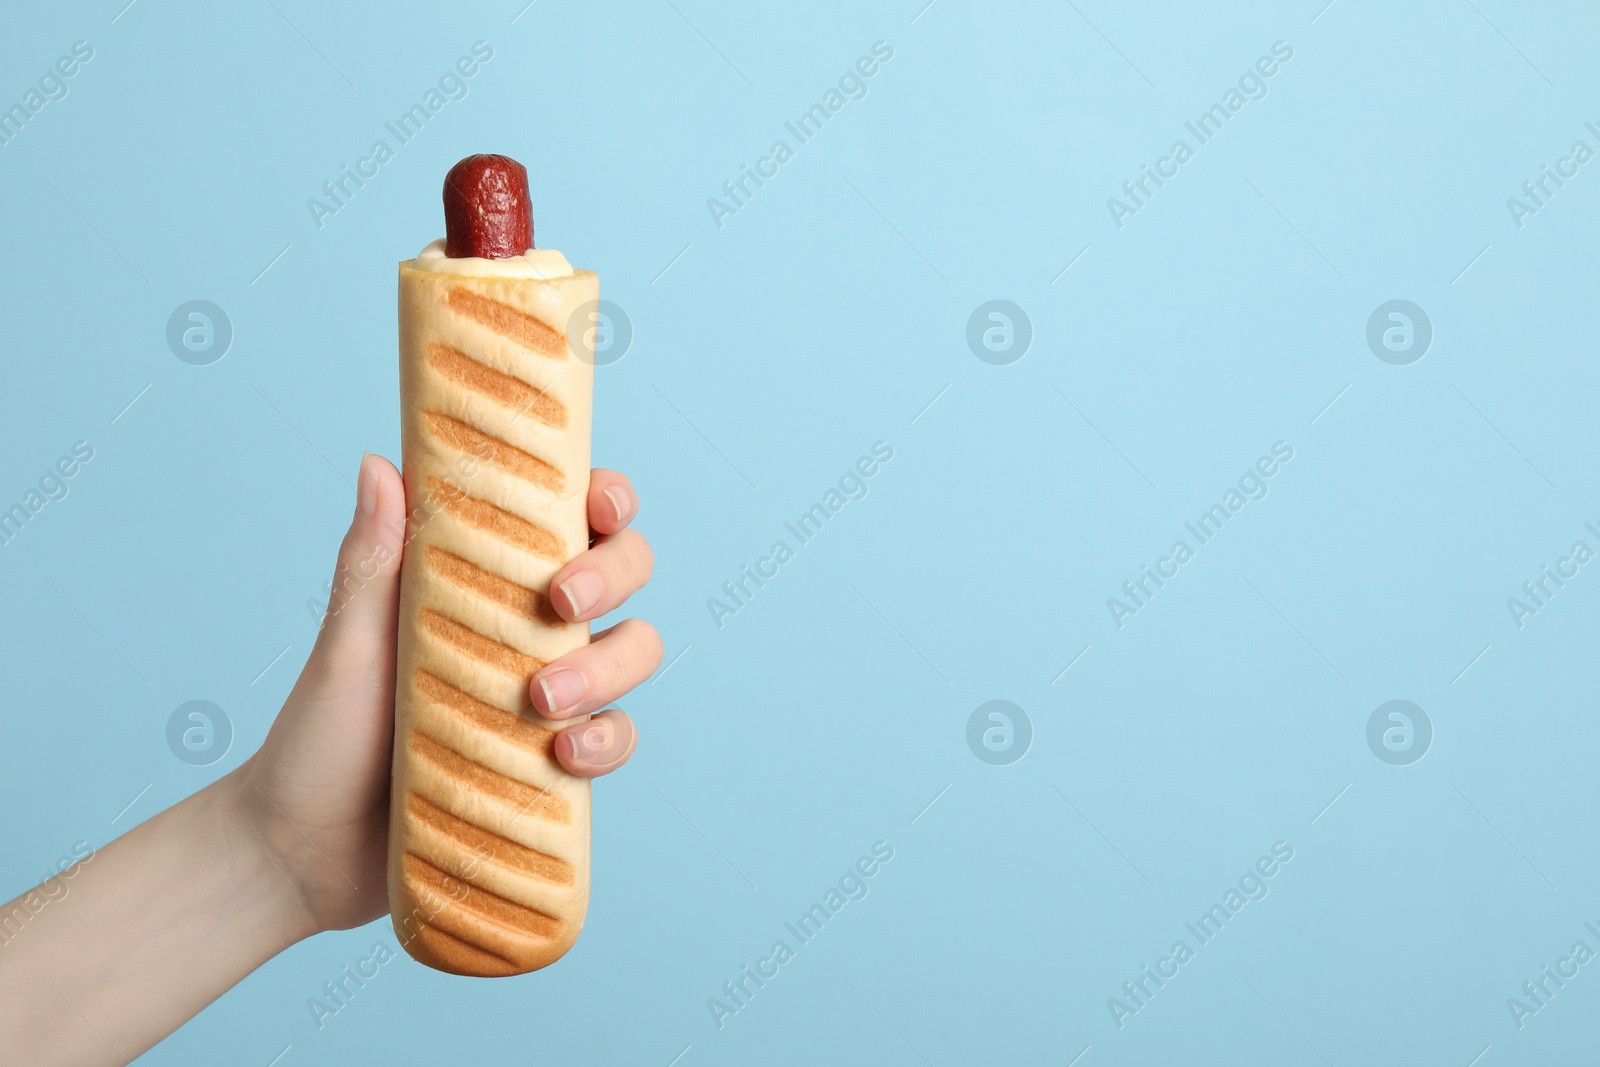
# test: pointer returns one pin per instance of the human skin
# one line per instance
(168, 917)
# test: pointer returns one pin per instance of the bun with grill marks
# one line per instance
(489, 836)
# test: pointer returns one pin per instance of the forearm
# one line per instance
(150, 930)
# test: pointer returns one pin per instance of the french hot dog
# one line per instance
(489, 836)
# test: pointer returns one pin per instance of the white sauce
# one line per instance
(534, 263)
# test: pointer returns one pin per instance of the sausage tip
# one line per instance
(487, 210)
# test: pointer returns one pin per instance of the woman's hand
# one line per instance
(165, 918)
(317, 793)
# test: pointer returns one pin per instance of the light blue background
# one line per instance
(821, 318)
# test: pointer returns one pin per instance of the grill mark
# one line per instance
(502, 388)
(442, 946)
(469, 439)
(506, 725)
(471, 578)
(466, 640)
(508, 322)
(490, 847)
(516, 919)
(473, 776)
(514, 530)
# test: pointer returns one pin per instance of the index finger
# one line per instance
(612, 501)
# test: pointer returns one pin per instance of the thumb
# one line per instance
(356, 644)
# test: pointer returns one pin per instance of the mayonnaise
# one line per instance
(534, 263)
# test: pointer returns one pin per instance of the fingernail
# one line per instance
(366, 489)
(582, 591)
(562, 690)
(590, 741)
(619, 500)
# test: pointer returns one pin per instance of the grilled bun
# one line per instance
(488, 835)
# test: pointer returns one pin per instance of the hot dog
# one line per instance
(489, 836)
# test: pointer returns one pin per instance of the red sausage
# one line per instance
(487, 210)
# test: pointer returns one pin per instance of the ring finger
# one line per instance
(589, 678)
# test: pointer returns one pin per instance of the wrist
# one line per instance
(254, 863)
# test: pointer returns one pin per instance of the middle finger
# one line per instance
(603, 577)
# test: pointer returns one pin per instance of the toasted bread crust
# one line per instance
(489, 836)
